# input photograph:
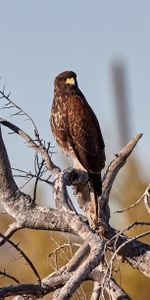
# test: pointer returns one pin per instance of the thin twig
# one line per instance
(61, 247)
(11, 104)
(30, 175)
(38, 174)
(130, 206)
(6, 274)
(110, 264)
(23, 255)
(144, 197)
(10, 231)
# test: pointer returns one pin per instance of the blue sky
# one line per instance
(40, 39)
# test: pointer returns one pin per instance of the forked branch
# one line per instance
(29, 215)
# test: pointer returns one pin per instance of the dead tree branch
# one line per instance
(83, 265)
(36, 146)
(116, 164)
(20, 112)
(83, 230)
(145, 197)
(26, 258)
(6, 274)
(58, 280)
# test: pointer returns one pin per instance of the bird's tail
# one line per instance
(96, 184)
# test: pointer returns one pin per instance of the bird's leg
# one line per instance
(77, 165)
(84, 193)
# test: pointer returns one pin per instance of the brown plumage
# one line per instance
(76, 128)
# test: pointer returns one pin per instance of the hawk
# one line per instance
(76, 129)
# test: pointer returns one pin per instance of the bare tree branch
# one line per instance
(10, 104)
(6, 274)
(96, 291)
(57, 280)
(11, 230)
(32, 216)
(39, 148)
(7, 184)
(84, 264)
(29, 262)
(114, 291)
(144, 197)
(111, 173)
(96, 244)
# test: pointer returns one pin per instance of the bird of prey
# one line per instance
(76, 128)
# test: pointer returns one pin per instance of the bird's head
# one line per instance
(67, 80)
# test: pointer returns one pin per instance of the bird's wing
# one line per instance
(85, 134)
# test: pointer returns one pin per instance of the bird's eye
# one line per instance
(70, 81)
